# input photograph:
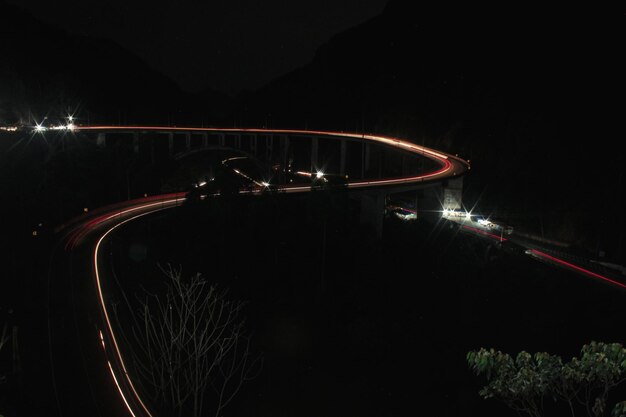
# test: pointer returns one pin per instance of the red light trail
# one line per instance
(577, 268)
(108, 219)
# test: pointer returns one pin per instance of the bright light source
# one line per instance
(39, 128)
(70, 126)
(265, 184)
(468, 215)
(70, 118)
(319, 174)
(201, 183)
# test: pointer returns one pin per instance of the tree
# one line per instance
(524, 383)
(190, 349)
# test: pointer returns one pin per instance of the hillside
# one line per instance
(47, 72)
(522, 93)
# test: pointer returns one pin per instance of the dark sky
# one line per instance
(228, 45)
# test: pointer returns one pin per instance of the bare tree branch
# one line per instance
(189, 346)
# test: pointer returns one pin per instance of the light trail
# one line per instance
(103, 307)
(576, 268)
(119, 388)
(450, 166)
(84, 229)
(482, 232)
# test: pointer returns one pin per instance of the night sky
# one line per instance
(228, 46)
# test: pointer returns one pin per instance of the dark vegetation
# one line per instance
(356, 326)
(540, 383)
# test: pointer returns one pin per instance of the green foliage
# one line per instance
(619, 410)
(524, 382)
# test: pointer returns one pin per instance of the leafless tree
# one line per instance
(190, 351)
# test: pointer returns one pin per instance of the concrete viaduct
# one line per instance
(376, 167)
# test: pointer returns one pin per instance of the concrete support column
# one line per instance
(284, 155)
(188, 140)
(170, 142)
(453, 194)
(314, 154)
(253, 144)
(136, 142)
(101, 140)
(268, 148)
(342, 157)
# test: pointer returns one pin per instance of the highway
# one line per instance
(549, 256)
(80, 261)
(450, 166)
(84, 239)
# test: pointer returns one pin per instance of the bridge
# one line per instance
(374, 167)
(365, 161)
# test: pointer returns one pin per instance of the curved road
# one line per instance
(86, 237)
(450, 166)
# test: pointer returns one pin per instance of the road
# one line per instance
(550, 256)
(83, 247)
(82, 292)
(81, 337)
(450, 166)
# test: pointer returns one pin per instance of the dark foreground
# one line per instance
(347, 324)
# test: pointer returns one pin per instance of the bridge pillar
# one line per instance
(453, 194)
(342, 157)
(284, 155)
(269, 145)
(253, 143)
(238, 141)
(152, 151)
(136, 142)
(314, 153)
(101, 140)
(402, 165)
(170, 143)
(365, 158)
(188, 140)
